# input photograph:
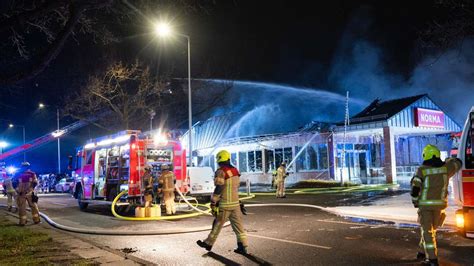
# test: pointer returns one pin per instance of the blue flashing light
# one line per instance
(12, 169)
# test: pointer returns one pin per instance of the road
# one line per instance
(277, 235)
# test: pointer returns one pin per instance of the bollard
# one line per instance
(247, 186)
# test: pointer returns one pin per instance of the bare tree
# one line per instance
(446, 31)
(127, 94)
(35, 31)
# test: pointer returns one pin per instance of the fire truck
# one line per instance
(110, 164)
(463, 183)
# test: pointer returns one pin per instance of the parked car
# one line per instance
(64, 185)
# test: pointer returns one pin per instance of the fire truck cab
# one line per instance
(108, 165)
(463, 183)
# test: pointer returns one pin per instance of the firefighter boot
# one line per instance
(420, 256)
(204, 245)
(430, 262)
(241, 249)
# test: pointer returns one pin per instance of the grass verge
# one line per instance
(24, 246)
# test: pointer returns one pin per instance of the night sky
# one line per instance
(298, 43)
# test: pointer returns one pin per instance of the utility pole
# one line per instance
(346, 123)
(59, 145)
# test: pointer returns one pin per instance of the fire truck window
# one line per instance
(469, 157)
(89, 158)
(124, 161)
(113, 163)
(101, 157)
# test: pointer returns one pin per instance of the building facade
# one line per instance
(383, 144)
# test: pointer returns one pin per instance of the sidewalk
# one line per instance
(396, 209)
(79, 248)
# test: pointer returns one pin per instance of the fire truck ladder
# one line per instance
(38, 142)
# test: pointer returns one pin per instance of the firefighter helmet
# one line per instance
(222, 156)
(431, 151)
(283, 163)
(148, 167)
(165, 167)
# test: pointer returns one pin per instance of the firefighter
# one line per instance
(429, 191)
(11, 194)
(274, 175)
(148, 184)
(27, 181)
(166, 186)
(225, 204)
(280, 180)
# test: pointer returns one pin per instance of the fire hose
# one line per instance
(197, 212)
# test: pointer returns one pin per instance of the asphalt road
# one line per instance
(277, 235)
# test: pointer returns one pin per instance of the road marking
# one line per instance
(289, 241)
(56, 203)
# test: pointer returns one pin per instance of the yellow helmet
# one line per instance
(222, 156)
(431, 151)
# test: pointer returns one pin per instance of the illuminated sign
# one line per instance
(429, 118)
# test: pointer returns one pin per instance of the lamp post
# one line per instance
(24, 137)
(164, 30)
(41, 106)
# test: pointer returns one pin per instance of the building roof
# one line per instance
(378, 110)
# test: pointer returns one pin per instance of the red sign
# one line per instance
(429, 118)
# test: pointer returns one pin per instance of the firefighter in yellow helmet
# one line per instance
(429, 191)
(27, 182)
(148, 184)
(166, 186)
(225, 204)
(280, 180)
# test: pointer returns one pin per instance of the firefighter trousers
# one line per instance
(235, 216)
(429, 221)
(10, 198)
(280, 189)
(21, 204)
(168, 198)
(148, 199)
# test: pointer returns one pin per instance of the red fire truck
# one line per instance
(463, 182)
(108, 165)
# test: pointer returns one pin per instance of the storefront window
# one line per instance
(312, 157)
(323, 156)
(233, 159)
(258, 161)
(243, 162)
(251, 161)
(278, 157)
(269, 161)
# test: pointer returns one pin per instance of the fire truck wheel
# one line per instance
(82, 205)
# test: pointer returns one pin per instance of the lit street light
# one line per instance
(164, 30)
(57, 134)
(24, 137)
(3, 145)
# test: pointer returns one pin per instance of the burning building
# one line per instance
(383, 144)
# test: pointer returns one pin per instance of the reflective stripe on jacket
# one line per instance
(433, 184)
(166, 180)
(229, 177)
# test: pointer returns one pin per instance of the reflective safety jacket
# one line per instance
(281, 174)
(7, 185)
(27, 182)
(227, 182)
(166, 181)
(430, 185)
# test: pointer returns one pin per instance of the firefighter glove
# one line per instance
(214, 210)
(242, 208)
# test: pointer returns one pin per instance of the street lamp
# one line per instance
(164, 30)
(24, 137)
(57, 134)
(3, 145)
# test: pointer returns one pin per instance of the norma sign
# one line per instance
(429, 118)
